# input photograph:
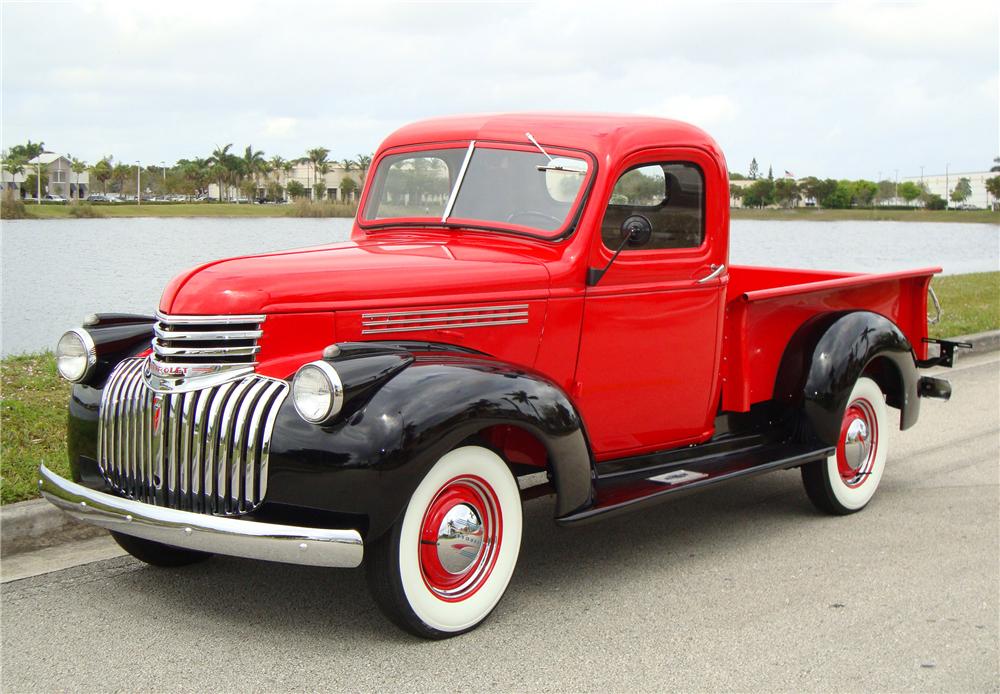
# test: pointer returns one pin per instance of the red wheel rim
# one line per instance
(857, 446)
(460, 537)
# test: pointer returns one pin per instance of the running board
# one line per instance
(614, 496)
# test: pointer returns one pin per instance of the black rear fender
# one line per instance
(826, 357)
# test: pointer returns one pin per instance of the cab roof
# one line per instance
(604, 135)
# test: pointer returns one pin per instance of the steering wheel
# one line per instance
(532, 213)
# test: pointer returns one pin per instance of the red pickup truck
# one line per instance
(528, 304)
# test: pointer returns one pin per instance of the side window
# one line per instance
(670, 196)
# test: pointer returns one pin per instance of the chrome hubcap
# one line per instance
(460, 538)
(857, 444)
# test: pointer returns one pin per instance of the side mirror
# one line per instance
(636, 231)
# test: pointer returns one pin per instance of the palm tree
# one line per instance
(317, 156)
(348, 165)
(78, 167)
(287, 168)
(15, 165)
(324, 169)
(120, 173)
(363, 161)
(277, 166)
(221, 162)
(253, 164)
(102, 172)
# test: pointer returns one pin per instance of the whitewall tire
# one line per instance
(846, 481)
(448, 560)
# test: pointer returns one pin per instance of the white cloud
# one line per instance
(280, 127)
(705, 111)
(902, 84)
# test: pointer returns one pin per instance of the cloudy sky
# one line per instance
(835, 90)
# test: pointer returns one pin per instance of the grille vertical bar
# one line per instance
(205, 450)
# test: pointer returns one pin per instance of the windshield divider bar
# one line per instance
(458, 182)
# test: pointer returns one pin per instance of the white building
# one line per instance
(943, 184)
(62, 180)
(304, 174)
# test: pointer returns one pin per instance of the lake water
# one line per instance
(55, 272)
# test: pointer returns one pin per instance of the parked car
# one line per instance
(54, 198)
(552, 312)
(97, 197)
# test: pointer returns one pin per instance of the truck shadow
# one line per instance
(559, 568)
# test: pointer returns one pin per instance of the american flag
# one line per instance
(789, 174)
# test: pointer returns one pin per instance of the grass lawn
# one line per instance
(33, 404)
(969, 303)
(814, 214)
(33, 399)
(192, 209)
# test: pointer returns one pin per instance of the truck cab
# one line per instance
(529, 304)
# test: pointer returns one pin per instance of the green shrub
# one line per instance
(84, 210)
(12, 207)
(308, 208)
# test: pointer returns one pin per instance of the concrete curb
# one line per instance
(982, 343)
(31, 525)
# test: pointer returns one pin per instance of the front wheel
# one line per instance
(445, 564)
(846, 481)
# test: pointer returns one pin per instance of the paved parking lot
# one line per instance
(742, 588)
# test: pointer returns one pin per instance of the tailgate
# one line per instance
(761, 318)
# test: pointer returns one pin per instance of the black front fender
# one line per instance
(370, 462)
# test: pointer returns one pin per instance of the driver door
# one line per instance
(647, 372)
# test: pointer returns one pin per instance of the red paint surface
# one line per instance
(645, 355)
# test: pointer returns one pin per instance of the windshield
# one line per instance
(478, 184)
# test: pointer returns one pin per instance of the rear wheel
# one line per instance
(846, 481)
(447, 561)
(156, 553)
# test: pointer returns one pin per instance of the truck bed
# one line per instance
(765, 306)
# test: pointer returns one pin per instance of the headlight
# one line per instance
(317, 392)
(75, 355)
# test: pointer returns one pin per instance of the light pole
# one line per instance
(138, 184)
(38, 181)
(946, 201)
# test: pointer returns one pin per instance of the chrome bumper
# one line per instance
(239, 538)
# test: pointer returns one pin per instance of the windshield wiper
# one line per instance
(458, 182)
(554, 164)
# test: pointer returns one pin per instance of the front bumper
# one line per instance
(239, 538)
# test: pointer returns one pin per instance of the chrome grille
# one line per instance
(187, 347)
(203, 450)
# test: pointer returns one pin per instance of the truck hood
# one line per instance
(354, 275)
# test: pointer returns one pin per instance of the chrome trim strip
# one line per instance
(471, 318)
(458, 182)
(246, 351)
(416, 328)
(200, 320)
(207, 335)
(230, 536)
(432, 311)
(166, 384)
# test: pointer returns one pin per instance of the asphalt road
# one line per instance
(741, 588)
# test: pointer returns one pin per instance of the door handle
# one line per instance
(716, 271)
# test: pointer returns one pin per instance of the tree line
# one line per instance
(235, 174)
(841, 194)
